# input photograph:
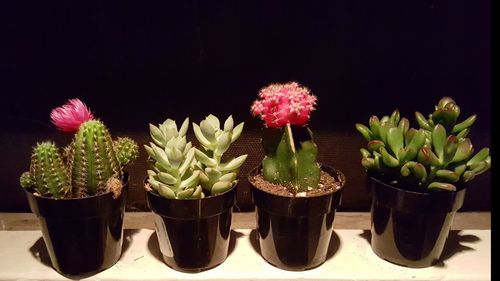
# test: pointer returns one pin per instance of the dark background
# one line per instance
(136, 62)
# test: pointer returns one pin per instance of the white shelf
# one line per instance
(468, 258)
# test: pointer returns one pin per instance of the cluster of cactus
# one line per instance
(437, 156)
(287, 141)
(179, 170)
(91, 165)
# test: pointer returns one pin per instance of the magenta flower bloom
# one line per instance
(71, 115)
(282, 104)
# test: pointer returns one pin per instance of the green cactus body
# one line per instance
(126, 150)
(92, 159)
(286, 162)
(436, 157)
(48, 174)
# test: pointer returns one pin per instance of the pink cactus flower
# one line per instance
(71, 115)
(282, 104)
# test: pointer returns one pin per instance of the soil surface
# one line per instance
(327, 185)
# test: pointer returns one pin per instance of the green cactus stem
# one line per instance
(92, 159)
(48, 174)
(291, 162)
(126, 150)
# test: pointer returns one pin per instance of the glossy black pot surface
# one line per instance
(193, 234)
(294, 232)
(410, 228)
(83, 235)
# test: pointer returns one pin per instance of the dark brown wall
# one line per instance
(135, 62)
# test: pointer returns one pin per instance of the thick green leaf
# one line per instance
(186, 193)
(395, 140)
(229, 124)
(442, 186)
(464, 125)
(167, 178)
(203, 158)
(367, 134)
(374, 127)
(375, 145)
(157, 135)
(394, 119)
(480, 156)
(447, 175)
(233, 164)
(422, 122)
(237, 132)
(165, 191)
(388, 159)
(450, 149)
(439, 141)
(200, 137)
(464, 150)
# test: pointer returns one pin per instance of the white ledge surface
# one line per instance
(468, 257)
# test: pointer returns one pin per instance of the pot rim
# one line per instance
(191, 208)
(414, 201)
(185, 199)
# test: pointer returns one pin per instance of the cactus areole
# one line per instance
(291, 154)
(90, 165)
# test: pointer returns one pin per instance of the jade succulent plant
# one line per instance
(179, 170)
(291, 154)
(91, 165)
(436, 156)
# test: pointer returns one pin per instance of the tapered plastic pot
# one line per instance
(193, 234)
(83, 236)
(410, 228)
(294, 232)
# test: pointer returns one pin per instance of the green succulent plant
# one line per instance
(437, 156)
(48, 173)
(179, 170)
(217, 176)
(291, 154)
(91, 165)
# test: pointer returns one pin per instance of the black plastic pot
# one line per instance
(294, 232)
(193, 234)
(83, 235)
(410, 228)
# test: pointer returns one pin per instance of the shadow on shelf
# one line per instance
(452, 246)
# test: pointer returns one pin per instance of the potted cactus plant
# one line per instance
(418, 179)
(295, 196)
(77, 193)
(191, 191)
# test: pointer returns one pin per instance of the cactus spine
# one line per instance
(92, 162)
(47, 174)
(92, 159)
